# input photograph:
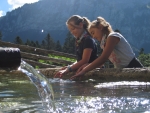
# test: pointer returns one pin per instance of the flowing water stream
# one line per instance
(43, 86)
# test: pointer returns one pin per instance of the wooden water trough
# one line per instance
(107, 74)
(98, 75)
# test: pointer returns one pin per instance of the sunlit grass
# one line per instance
(62, 58)
(49, 62)
(37, 67)
(56, 57)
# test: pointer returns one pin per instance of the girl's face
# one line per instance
(76, 30)
(96, 33)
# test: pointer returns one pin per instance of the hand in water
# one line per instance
(79, 74)
(60, 73)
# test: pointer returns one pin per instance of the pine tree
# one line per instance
(49, 42)
(141, 51)
(33, 44)
(1, 35)
(37, 44)
(69, 44)
(18, 40)
(58, 46)
(43, 45)
(28, 42)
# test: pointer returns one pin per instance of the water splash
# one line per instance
(42, 84)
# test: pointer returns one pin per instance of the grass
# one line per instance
(62, 57)
(56, 57)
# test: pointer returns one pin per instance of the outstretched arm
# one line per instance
(85, 59)
(111, 42)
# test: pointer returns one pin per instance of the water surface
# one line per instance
(19, 95)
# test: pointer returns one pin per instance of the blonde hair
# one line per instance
(76, 19)
(101, 21)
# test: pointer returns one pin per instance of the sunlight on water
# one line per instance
(111, 97)
(55, 80)
(125, 83)
(42, 84)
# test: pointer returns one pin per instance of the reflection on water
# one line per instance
(19, 95)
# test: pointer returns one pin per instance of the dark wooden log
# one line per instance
(41, 65)
(36, 57)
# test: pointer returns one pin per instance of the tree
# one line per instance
(18, 40)
(37, 44)
(49, 42)
(58, 47)
(141, 51)
(28, 42)
(33, 44)
(1, 35)
(69, 44)
(145, 59)
(43, 45)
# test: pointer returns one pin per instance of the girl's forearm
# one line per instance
(96, 63)
(77, 65)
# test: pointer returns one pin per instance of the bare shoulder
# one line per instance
(113, 39)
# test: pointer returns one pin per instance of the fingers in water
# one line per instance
(57, 74)
(73, 77)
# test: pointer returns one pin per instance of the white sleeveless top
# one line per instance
(122, 54)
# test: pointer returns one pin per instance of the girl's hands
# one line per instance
(64, 70)
(79, 74)
(60, 73)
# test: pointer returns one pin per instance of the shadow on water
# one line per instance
(19, 95)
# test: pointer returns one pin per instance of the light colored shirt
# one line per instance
(122, 54)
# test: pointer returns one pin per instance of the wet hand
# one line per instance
(60, 73)
(79, 74)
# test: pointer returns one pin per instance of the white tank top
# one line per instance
(122, 54)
